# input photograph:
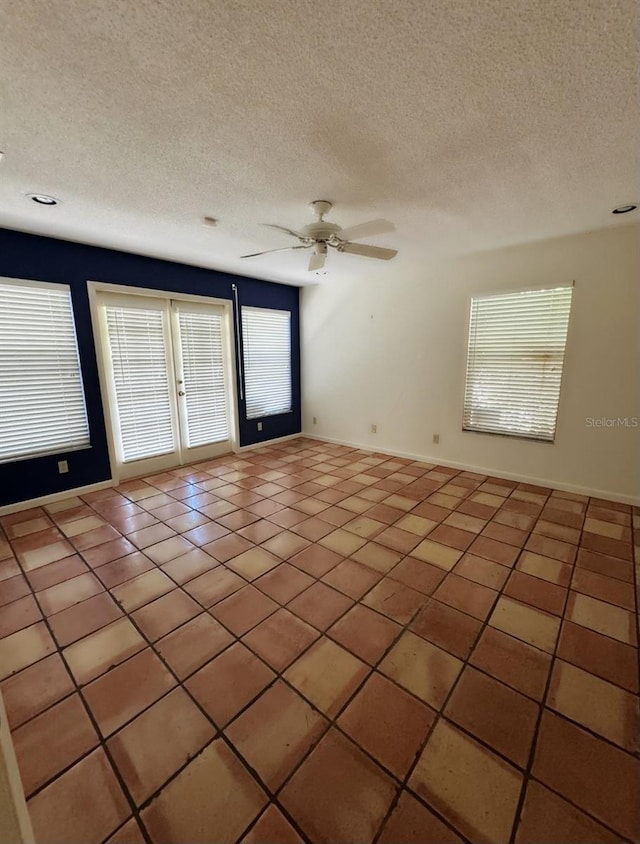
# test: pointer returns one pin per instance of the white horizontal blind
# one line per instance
(141, 381)
(203, 373)
(42, 408)
(266, 339)
(514, 364)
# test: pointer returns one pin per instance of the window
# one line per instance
(514, 363)
(42, 409)
(266, 340)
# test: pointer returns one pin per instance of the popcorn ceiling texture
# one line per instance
(471, 124)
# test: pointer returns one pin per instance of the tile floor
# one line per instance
(312, 643)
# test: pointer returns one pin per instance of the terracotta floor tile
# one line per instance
(495, 714)
(424, 669)
(395, 600)
(452, 536)
(52, 741)
(316, 560)
(129, 833)
(416, 524)
(351, 578)
(377, 557)
(571, 761)
(497, 552)
(214, 792)
(594, 703)
(342, 542)
(280, 639)
(413, 823)
(603, 564)
(165, 614)
(536, 592)
(103, 649)
(253, 563)
(602, 617)
(545, 568)
(204, 534)
(34, 689)
(243, 610)
(364, 526)
(470, 786)
(213, 586)
(482, 571)
(19, 614)
(417, 575)
(168, 549)
(275, 733)
(327, 675)
(272, 827)
(320, 605)
(142, 589)
(600, 655)
(83, 525)
(365, 633)
(526, 623)
(63, 595)
(466, 596)
(515, 663)
(91, 782)
(604, 545)
(122, 693)
(188, 521)
(47, 554)
(196, 642)
(284, 583)
(338, 794)
(123, 569)
(286, 517)
(505, 533)
(189, 566)
(448, 628)
(241, 676)
(285, 544)
(146, 763)
(547, 817)
(91, 538)
(23, 648)
(108, 551)
(438, 555)
(54, 573)
(384, 513)
(388, 723)
(82, 619)
(604, 588)
(147, 536)
(314, 528)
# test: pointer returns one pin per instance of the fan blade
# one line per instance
(285, 230)
(368, 251)
(266, 252)
(369, 229)
(316, 262)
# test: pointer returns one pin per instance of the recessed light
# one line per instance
(43, 199)
(624, 209)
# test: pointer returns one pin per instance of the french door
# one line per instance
(167, 364)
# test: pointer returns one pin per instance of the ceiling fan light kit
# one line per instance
(321, 234)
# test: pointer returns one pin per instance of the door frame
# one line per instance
(94, 289)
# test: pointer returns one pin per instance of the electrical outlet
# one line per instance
(315, 420)
(374, 429)
(259, 426)
(63, 467)
(436, 439)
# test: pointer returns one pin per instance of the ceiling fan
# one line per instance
(321, 234)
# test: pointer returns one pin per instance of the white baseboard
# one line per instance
(241, 449)
(55, 496)
(485, 470)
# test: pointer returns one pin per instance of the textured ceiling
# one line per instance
(470, 124)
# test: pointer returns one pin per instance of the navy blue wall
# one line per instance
(45, 259)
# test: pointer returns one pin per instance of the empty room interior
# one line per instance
(319, 422)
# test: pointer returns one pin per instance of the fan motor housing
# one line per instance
(321, 230)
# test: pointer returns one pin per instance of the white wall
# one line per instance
(391, 350)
